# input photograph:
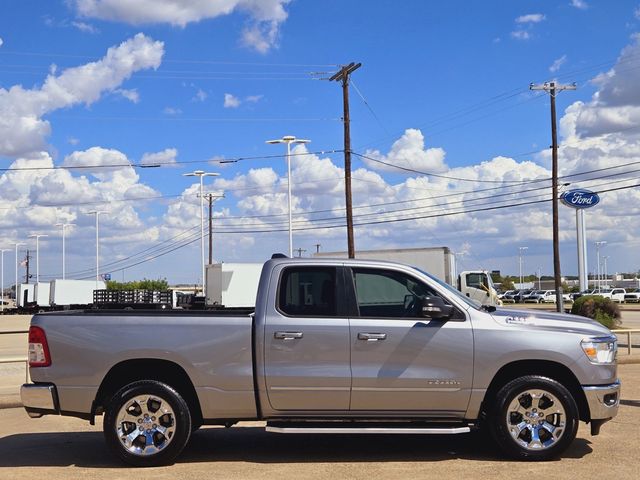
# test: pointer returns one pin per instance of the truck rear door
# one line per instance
(403, 362)
(307, 340)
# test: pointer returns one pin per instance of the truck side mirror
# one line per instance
(434, 308)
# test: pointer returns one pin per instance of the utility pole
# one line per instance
(27, 267)
(300, 250)
(211, 198)
(552, 88)
(343, 75)
(318, 245)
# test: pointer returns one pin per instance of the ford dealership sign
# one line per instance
(580, 198)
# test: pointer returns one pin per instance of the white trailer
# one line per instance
(232, 284)
(439, 262)
(25, 294)
(67, 293)
(41, 294)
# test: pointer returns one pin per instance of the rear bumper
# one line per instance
(603, 400)
(40, 399)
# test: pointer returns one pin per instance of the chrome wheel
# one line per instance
(145, 425)
(536, 419)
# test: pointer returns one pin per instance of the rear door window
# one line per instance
(308, 292)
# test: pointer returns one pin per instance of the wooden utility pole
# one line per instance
(343, 75)
(211, 198)
(552, 88)
(318, 245)
(300, 250)
(27, 268)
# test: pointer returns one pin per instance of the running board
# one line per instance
(370, 430)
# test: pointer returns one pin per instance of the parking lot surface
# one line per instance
(59, 447)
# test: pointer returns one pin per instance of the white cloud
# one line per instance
(261, 33)
(171, 111)
(636, 13)
(557, 63)
(520, 35)
(165, 157)
(85, 27)
(130, 94)
(231, 101)
(531, 18)
(579, 4)
(409, 151)
(22, 128)
(73, 141)
(1, 41)
(200, 95)
(253, 98)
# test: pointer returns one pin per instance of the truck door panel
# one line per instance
(405, 362)
(307, 343)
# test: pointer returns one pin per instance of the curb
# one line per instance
(629, 360)
(10, 401)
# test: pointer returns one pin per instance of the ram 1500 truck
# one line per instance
(333, 346)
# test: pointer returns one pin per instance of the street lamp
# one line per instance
(606, 275)
(37, 237)
(63, 225)
(16, 286)
(201, 174)
(289, 139)
(521, 261)
(2, 250)
(598, 245)
(97, 213)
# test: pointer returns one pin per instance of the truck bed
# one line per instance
(212, 347)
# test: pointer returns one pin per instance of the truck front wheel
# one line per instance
(534, 418)
(147, 423)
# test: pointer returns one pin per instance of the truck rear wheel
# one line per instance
(147, 423)
(534, 418)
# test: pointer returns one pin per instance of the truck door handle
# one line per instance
(287, 335)
(372, 337)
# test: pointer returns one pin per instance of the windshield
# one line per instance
(472, 303)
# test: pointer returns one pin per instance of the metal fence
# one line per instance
(24, 359)
(622, 332)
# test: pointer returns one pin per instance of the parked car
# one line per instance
(632, 296)
(507, 297)
(538, 296)
(333, 346)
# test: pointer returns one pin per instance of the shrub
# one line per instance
(598, 308)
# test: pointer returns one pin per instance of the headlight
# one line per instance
(600, 350)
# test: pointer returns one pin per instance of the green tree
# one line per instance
(160, 284)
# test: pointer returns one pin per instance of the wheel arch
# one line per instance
(164, 371)
(545, 368)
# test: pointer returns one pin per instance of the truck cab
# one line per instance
(478, 286)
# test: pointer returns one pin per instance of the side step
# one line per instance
(363, 428)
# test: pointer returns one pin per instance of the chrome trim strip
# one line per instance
(422, 431)
(408, 389)
(310, 389)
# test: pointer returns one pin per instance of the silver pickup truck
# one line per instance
(333, 346)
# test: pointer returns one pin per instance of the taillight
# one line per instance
(38, 348)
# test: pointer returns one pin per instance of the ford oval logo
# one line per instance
(580, 198)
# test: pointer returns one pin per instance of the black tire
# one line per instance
(151, 448)
(556, 398)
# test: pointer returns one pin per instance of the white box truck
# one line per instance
(24, 295)
(439, 262)
(232, 284)
(41, 294)
(73, 293)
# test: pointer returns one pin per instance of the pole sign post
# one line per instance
(581, 199)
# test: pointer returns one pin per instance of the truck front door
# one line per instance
(401, 361)
(307, 341)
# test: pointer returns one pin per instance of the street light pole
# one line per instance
(289, 139)
(37, 237)
(201, 174)
(2, 250)
(63, 225)
(598, 245)
(521, 261)
(606, 275)
(97, 213)
(17, 244)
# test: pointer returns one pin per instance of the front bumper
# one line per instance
(40, 399)
(603, 400)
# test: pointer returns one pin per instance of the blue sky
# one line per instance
(445, 86)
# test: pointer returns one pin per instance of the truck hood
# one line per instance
(549, 321)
